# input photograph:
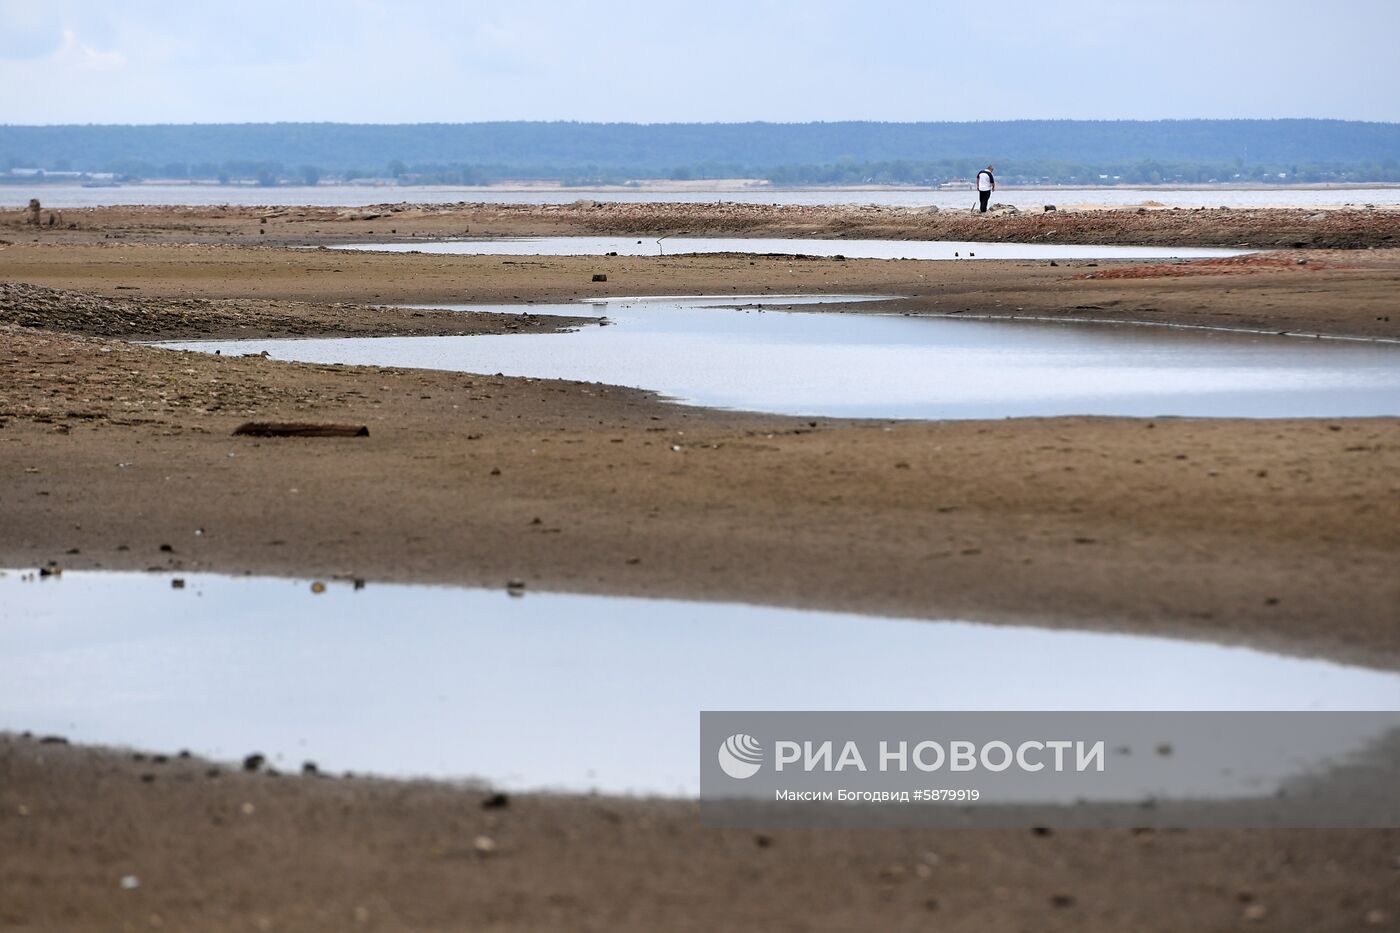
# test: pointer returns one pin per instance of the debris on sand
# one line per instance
(299, 429)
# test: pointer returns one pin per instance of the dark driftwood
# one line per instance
(300, 429)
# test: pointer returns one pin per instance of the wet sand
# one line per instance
(226, 850)
(1281, 533)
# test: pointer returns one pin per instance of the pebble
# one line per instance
(484, 845)
(130, 882)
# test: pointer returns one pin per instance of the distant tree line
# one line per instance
(1063, 151)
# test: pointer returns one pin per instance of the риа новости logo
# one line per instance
(741, 756)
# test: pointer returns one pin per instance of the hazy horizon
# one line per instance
(779, 61)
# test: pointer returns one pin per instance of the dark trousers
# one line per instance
(984, 197)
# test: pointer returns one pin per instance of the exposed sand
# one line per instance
(1282, 533)
(236, 851)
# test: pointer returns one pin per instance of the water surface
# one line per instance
(553, 690)
(62, 196)
(851, 249)
(732, 353)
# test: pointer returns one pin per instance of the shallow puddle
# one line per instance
(552, 690)
(851, 249)
(729, 352)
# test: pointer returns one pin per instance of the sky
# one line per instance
(408, 61)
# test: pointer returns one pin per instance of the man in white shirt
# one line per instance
(986, 184)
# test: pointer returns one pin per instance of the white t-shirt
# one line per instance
(984, 180)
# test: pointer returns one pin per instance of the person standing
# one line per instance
(986, 184)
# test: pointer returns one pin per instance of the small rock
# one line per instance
(1062, 900)
(496, 801)
(600, 277)
(130, 882)
(1377, 917)
(254, 761)
(1255, 912)
(177, 584)
(484, 845)
(1049, 208)
(247, 809)
(318, 587)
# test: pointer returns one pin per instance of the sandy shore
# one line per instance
(219, 849)
(1279, 533)
(1261, 228)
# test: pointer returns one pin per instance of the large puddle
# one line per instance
(550, 690)
(851, 249)
(731, 353)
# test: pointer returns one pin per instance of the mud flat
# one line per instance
(1259, 228)
(1281, 534)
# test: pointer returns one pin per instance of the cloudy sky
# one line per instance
(399, 61)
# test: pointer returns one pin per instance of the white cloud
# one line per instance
(74, 53)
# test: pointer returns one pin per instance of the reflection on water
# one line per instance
(851, 249)
(553, 690)
(865, 365)
(361, 195)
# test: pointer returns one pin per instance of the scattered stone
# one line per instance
(254, 762)
(177, 584)
(484, 845)
(1062, 900)
(318, 587)
(515, 587)
(496, 801)
(128, 882)
(309, 767)
(600, 277)
(1255, 912)
(1049, 208)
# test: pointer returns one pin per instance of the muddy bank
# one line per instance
(1278, 532)
(139, 318)
(1340, 292)
(1262, 228)
(215, 848)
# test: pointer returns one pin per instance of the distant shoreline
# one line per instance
(716, 186)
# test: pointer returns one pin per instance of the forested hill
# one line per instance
(710, 149)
